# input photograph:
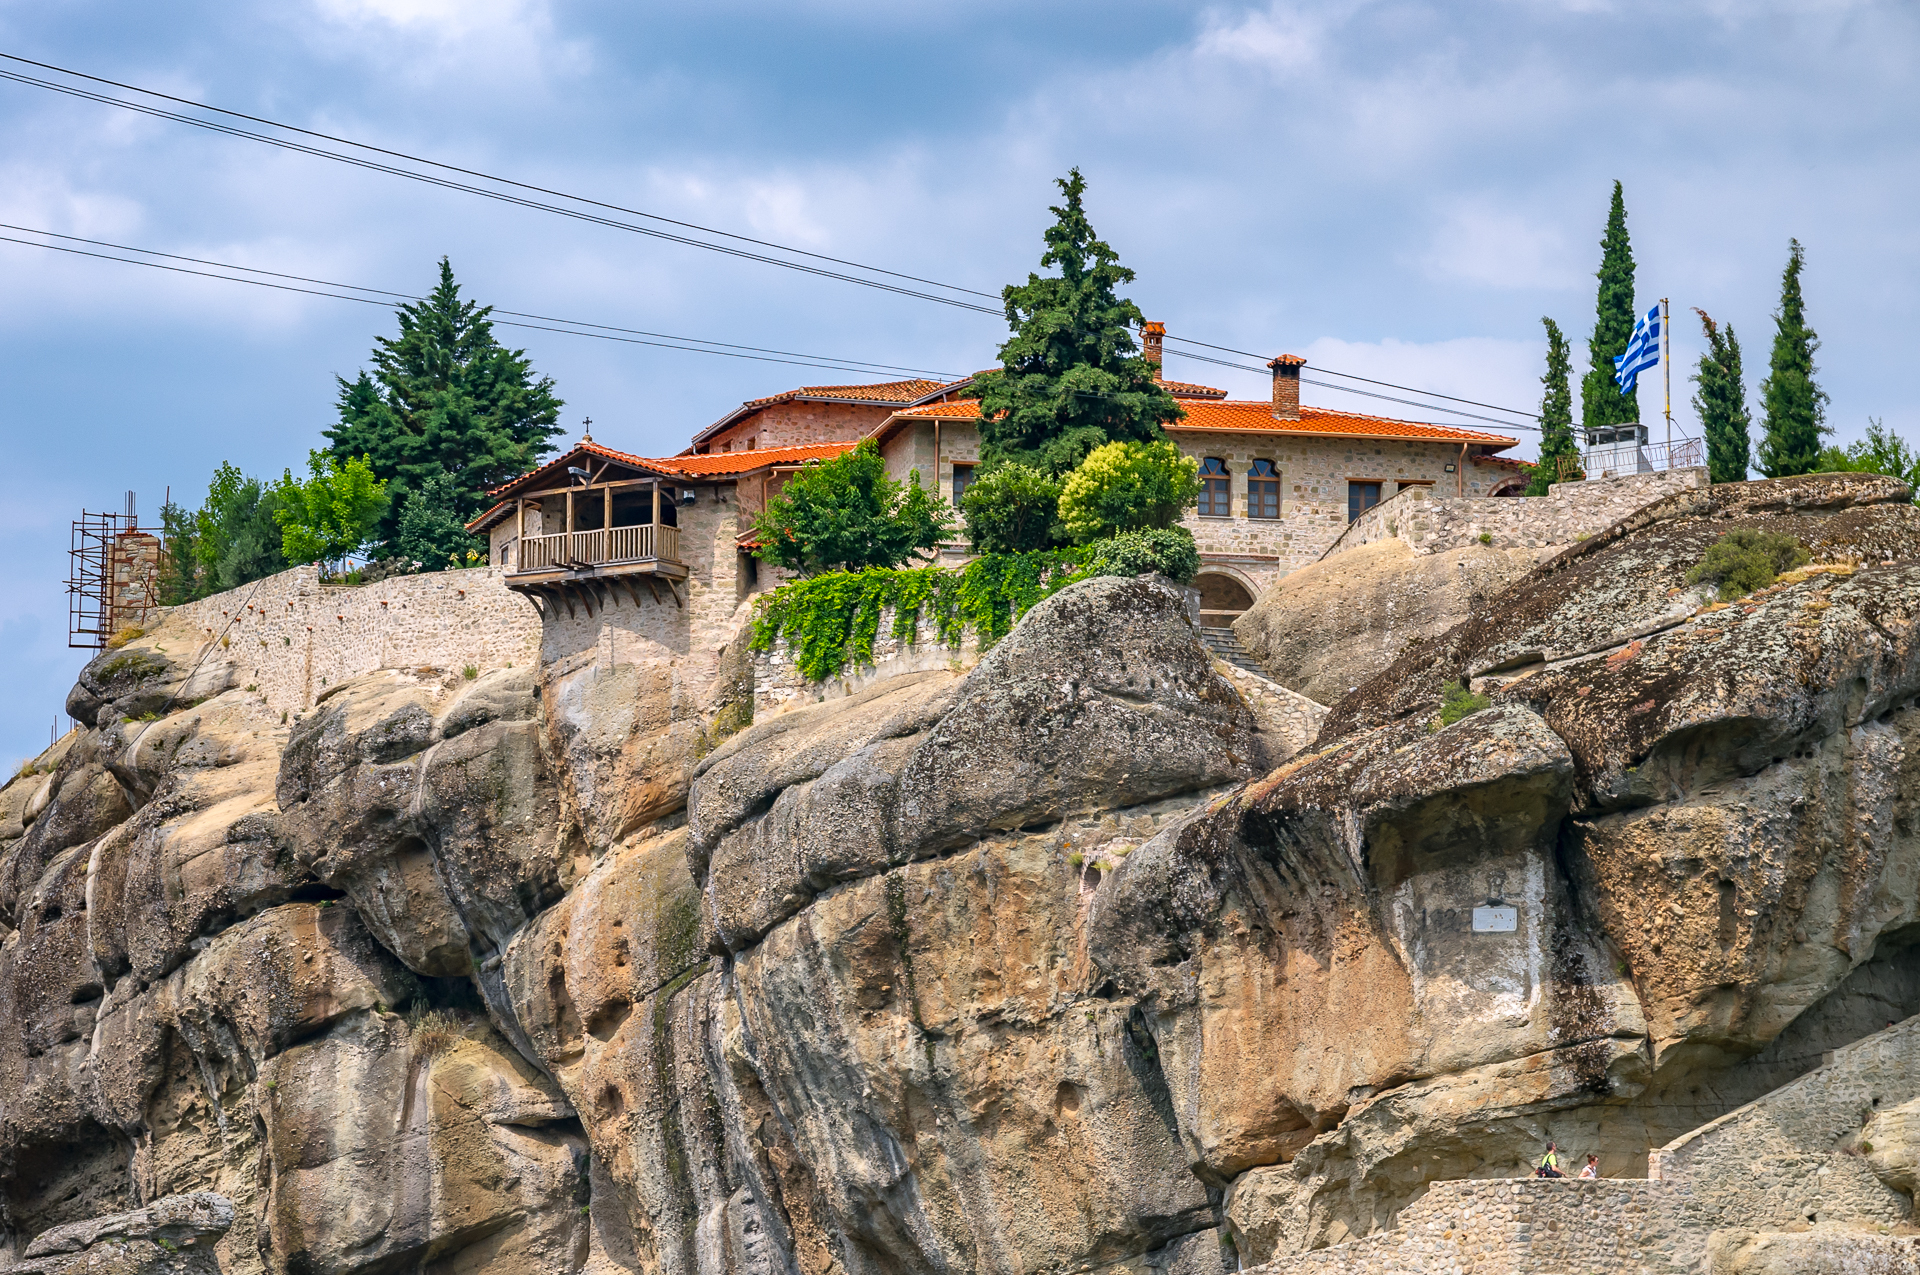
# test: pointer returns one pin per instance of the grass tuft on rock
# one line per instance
(1744, 560)
(1460, 702)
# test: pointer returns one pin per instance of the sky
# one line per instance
(1394, 189)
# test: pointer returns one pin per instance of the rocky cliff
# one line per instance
(1070, 962)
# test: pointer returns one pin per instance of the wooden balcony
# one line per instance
(600, 566)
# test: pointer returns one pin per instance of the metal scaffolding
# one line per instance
(97, 562)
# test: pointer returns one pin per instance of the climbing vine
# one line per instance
(830, 621)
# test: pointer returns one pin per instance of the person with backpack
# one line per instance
(1550, 1164)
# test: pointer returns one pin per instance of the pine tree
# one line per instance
(1601, 402)
(1795, 406)
(1721, 403)
(1070, 377)
(445, 397)
(1556, 413)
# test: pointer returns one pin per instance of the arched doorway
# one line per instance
(1223, 599)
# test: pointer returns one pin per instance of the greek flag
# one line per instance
(1643, 350)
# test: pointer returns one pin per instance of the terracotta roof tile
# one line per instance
(1188, 389)
(1233, 414)
(718, 464)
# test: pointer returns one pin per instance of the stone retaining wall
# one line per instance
(1504, 1227)
(292, 636)
(778, 683)
(1288, 714)
(1433, 524)
(1794, 1157)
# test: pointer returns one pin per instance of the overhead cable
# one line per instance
(501, 196)
(1348, 375)
(603, 332)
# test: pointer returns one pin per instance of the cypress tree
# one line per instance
(444, 397)
(1556, 413)
(1721, 403)
(1070, 377)
(1795, 406)
(1601, 402)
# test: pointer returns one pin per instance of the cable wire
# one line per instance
(1350, 376)
(430, 179)
(1347, 389)
(757, 353)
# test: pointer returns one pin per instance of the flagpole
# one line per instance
(1666, 375)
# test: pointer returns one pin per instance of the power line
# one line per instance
(1347, 389)
(1348, 375)
(430, 179)
(605, 333)
(576, 214)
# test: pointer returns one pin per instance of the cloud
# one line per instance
(1480, 241)
(1282, 39)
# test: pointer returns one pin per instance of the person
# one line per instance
(1592, 1169)
(1550, 1164)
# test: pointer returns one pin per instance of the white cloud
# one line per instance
(1482, 242)
(1282, 39)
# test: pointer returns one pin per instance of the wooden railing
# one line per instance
(599, 548)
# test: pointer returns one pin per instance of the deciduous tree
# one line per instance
(332, 512)
(847, 513)
(1128, 487)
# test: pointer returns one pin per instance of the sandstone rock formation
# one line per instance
(1071, 962)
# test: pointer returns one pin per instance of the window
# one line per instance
(1215, 500)
(1361, 497)
(1263, 490)
(962, 479)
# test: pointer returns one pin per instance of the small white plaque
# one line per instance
(1495, 920)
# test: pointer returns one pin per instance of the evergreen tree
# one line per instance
(1795, 406)
(444, 397)
(1601, 402)
(1721, 403)
(1556, 413)
(1070, 377)
(432, 531)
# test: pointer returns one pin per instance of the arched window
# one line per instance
(1215, 501)
(1263, 490)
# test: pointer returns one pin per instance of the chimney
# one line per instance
(1151, 335)
(1286, 386)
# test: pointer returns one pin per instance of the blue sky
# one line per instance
(1395, 189)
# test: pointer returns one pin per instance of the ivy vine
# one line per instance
(830, 621)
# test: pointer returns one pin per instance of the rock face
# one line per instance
(1326, 628)
(1070, 963)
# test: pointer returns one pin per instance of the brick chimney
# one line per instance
(1151, 335)
(1286, 386)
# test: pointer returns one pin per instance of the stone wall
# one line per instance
(291, 636)
(778, 683)
(1289, 714)
(1429, 523)
(1800, 1155)
(1499, 1226)
(795, 423)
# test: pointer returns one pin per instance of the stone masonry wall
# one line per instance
(1794, 1157)
(1505, 1227)
(292, 636)
(778, 683)
(1427, 523)
(795, 423)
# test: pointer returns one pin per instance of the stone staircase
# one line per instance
(1226, 646)
(1790, 1184)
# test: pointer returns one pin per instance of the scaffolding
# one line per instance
(113, 576)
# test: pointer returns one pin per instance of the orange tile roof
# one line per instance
(1188, 389)
(721, 464)
(882, 393)
(1241, 415)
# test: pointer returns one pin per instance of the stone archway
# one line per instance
(1223, 598)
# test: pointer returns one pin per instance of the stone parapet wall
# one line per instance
(1506, 1227)
(1796, 1156)
(1427, 523)
(1293, 717)
(291, 636)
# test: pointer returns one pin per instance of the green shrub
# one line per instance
(1127, 487)
(847, 513)
(1486, 537)
(1460, 702)
(1744, 560)
(470, 672)
(1170, 551)
(1013, 509)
